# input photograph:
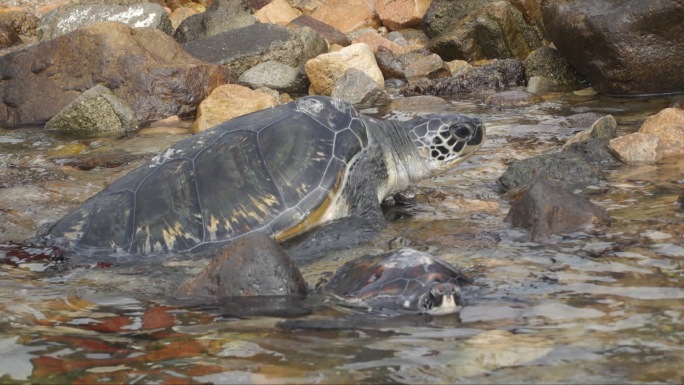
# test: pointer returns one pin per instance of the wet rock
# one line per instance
(494, 76)
(359, 89)
(569, 169)
(398, 14)
(638, 148)
(277, 76)
(547, 208)
(8, 37)
(331, 34)
(548, 63)
(278, 12)
(146, 69)
(430, 66)
(606, 41)
(604, 127)
(495, 31)
(221, 16)
(24, 23)
(377, 42)
(513, 98)
(581, 120)
(442, 13)
(347, 15)
(541, 85)
(324, 70)
(243, 48)
(594, 150)
(668, 125)
(68, 18)
(253, 265)
(415, 103)
(227, 102)
(96, 112)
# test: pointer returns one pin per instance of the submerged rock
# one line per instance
(96, 112)
(513, 99)
(252, 265)
(547, 208)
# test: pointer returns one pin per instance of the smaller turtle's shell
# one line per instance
(275, 171)
(393, 280)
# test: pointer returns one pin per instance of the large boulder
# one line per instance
(71, 17)
(496, 31)
(243, 48)
(96, 112)
(221, 16)
(324, 70)
(624, 47)
(145, 68)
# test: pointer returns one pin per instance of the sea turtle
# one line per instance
(402, 279)
(281, 171)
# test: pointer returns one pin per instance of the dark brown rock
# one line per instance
(494, 76)
(546, 208)
(24, 23)
(253, 265)
(145, 68)
(624, 47)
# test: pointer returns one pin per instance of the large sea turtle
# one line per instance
(281, 171)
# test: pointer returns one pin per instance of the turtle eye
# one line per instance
(461, 131)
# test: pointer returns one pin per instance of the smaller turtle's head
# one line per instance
(446, 140)
(441, 298)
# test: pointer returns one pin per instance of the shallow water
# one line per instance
(602, 306)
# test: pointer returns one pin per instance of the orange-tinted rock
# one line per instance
(347, 15)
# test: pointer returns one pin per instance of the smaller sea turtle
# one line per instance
(402, 279)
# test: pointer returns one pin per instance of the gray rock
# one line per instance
(393, 65)
(514, 98)
(277, 76)
(541, 85)
(546, 208)
(622, 47)
(567, 168)
(221, 16)
(71, 17)
(243, 48)
(253, 265)
(595, 151)
(549, 63)
(359, 89)
(96, 112)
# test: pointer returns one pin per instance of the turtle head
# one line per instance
(445, 140)
(440, 298)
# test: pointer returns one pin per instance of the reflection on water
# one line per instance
(604, 306)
